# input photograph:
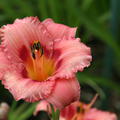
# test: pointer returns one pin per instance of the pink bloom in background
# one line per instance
(43, 106)
(81, 111)
(78, 111)
(38, 60)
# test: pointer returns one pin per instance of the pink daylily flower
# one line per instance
(38, 61)
(81, 111)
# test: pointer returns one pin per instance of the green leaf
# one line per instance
(28, 112)
(86, 4)
(42, 8)
(83, 78)
(53, 9)
(104, 17)
(87, 80)
(24, 111)
(55, 114)
(25, 8)
(101, 32)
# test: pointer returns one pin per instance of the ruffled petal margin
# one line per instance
(59, 31)
(4, 64)
(27, 89)
(21, 34)
(73, 56)
(18, 35)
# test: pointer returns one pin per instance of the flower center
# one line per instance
(80, 111)
(39, 67)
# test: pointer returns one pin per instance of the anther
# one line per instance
(42, 52)
(33, 55)
(78, 109)
(36, 46)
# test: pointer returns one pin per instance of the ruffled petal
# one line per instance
(99, 115)
(17, 35)
(4, 64)
(73, 56)
(21, 34)
(65, 91)
(59, 31)
(27, 89)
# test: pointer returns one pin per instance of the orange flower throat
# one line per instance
(38, 66)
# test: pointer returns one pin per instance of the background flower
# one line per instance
(81, 111)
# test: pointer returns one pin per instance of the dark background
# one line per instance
(98, 23)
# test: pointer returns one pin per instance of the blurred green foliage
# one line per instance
(21, 112)
(98, 25)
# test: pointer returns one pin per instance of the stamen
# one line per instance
(38, 47)
(33, 55)
(39, 66)
(92, 102)
(78, 109)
